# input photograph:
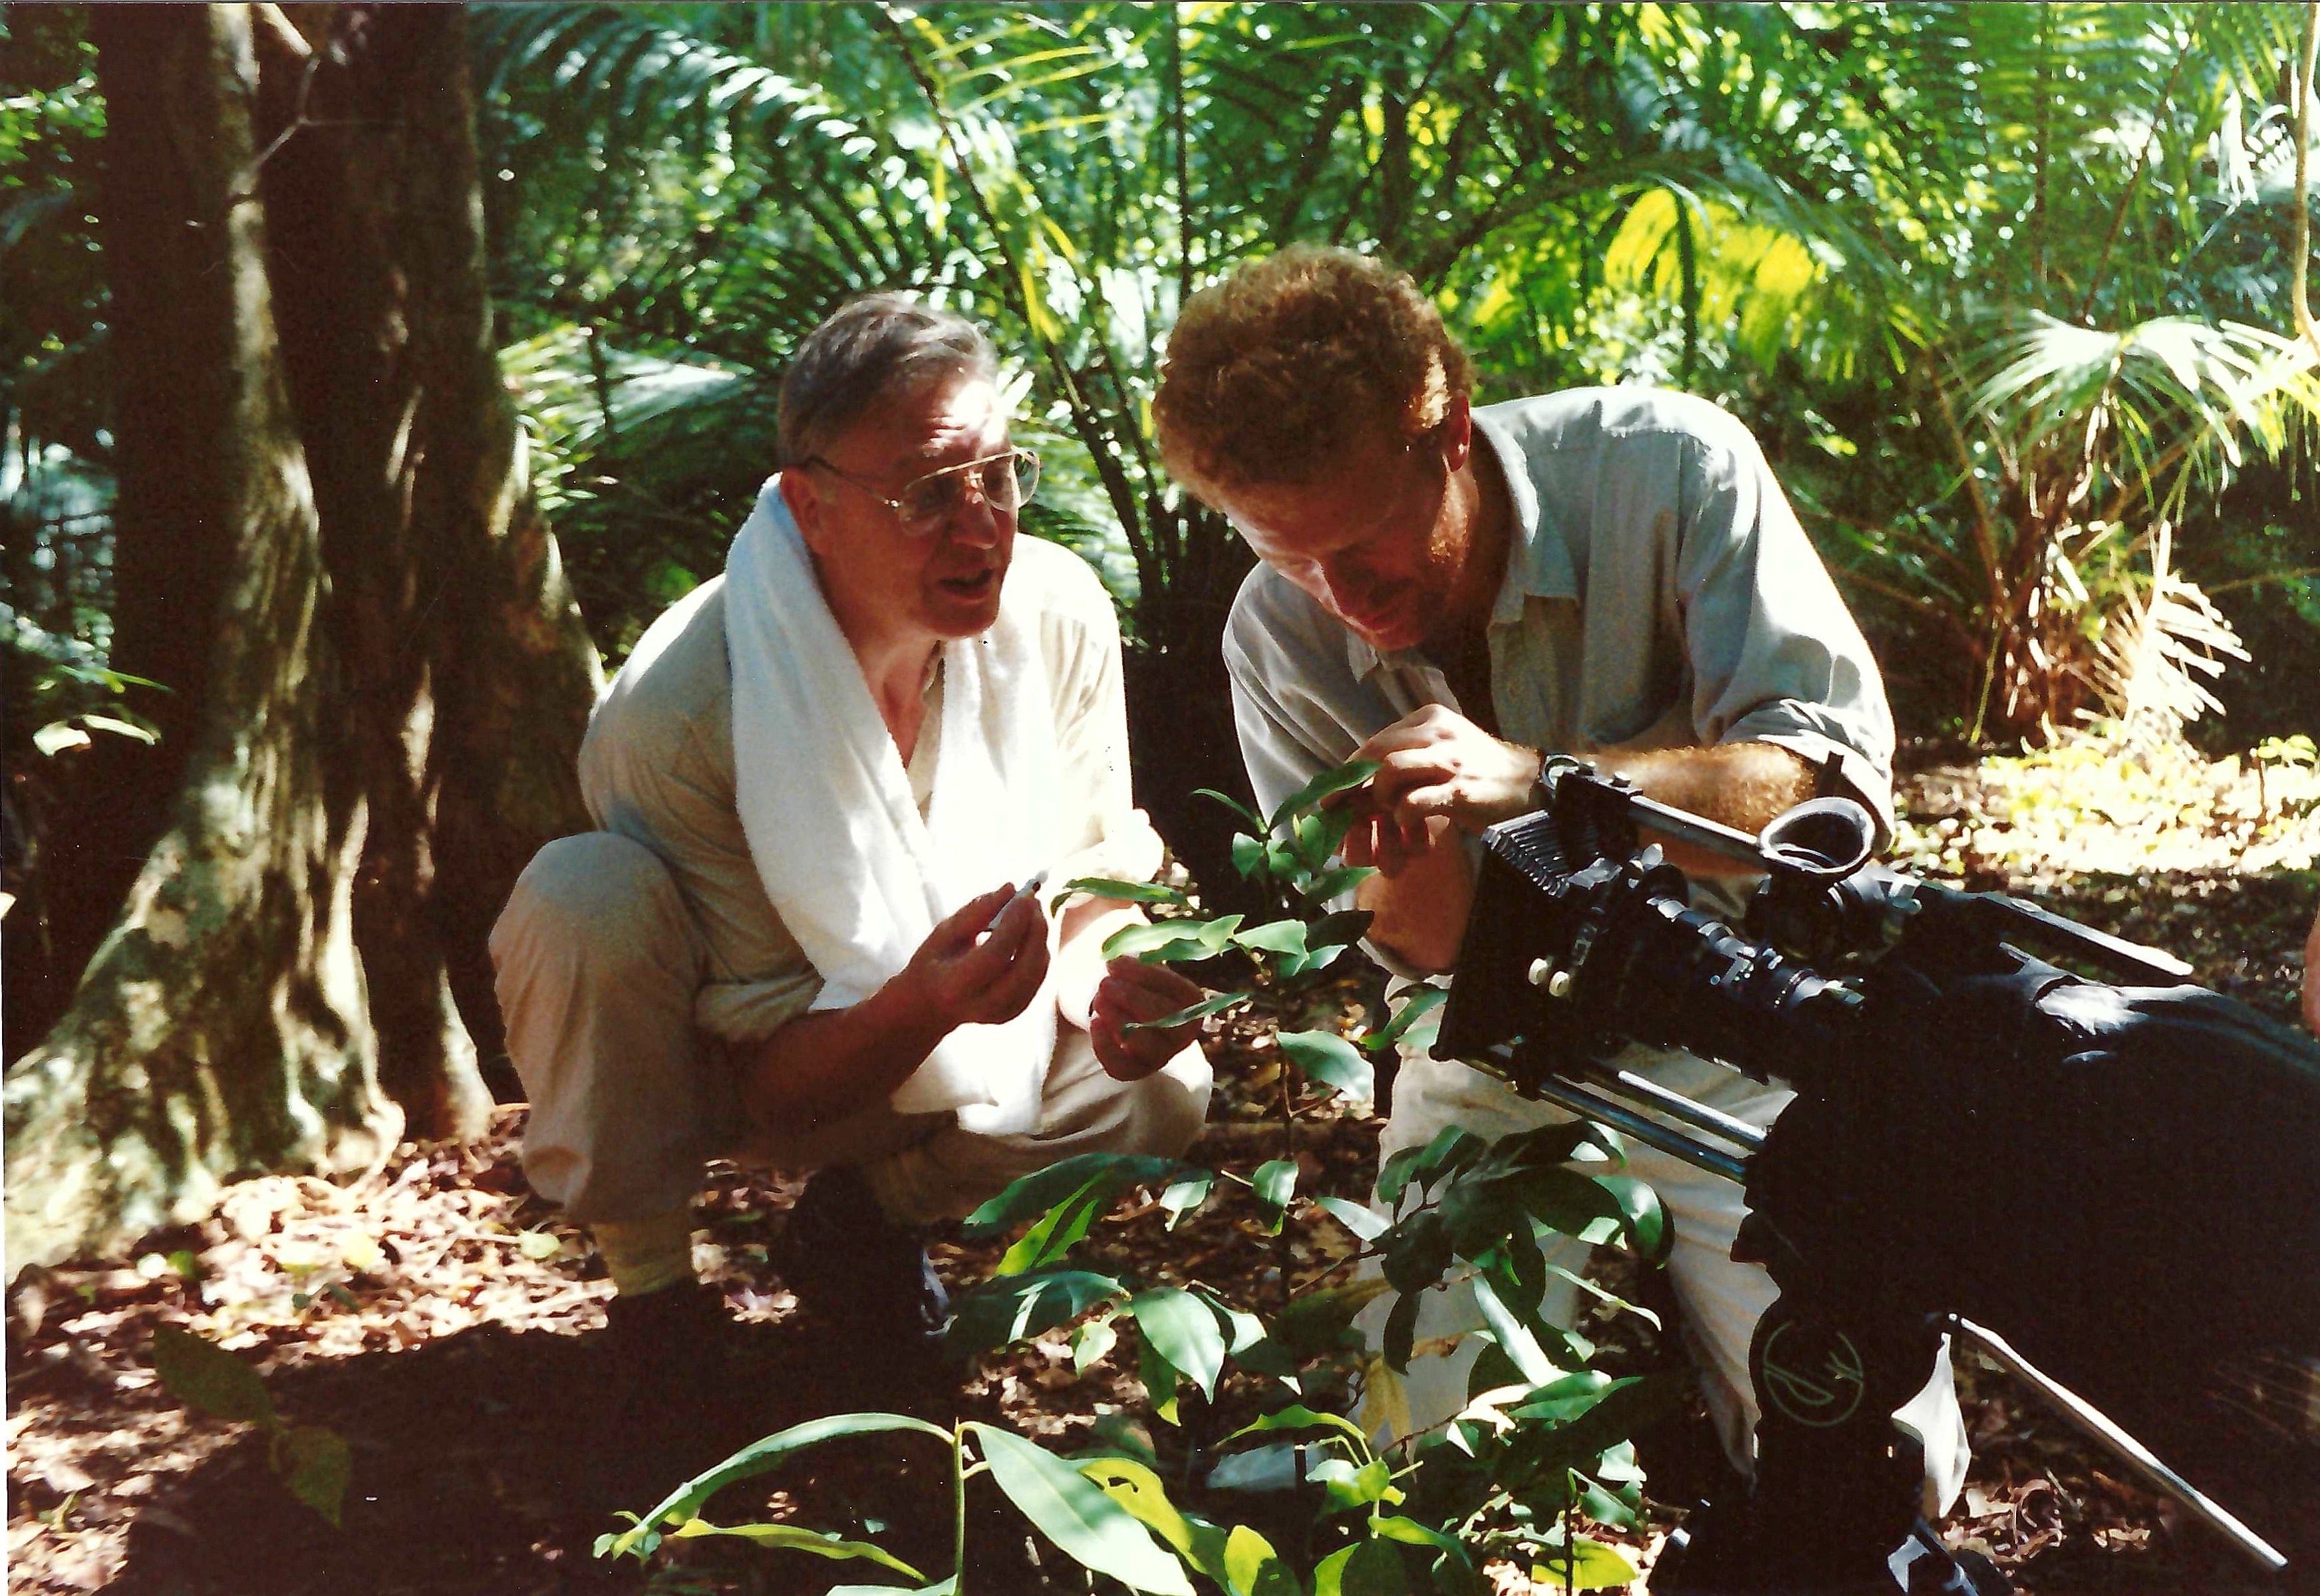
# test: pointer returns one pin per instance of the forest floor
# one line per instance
(449, 1324)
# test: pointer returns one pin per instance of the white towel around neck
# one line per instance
(858, 875)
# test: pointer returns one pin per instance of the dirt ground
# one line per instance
(444, 1321)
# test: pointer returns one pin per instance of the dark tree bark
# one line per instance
(396, 639)
(220, 1027)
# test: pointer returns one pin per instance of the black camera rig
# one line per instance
(2111, 1185)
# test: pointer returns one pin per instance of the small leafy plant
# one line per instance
(1543, 1441)
(311, 1459)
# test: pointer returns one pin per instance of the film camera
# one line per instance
(2111, 1185)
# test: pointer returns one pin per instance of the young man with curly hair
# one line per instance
(1458, 592)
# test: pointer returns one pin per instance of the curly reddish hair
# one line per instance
(1272, 374)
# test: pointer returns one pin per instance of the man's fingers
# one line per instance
(966, 922)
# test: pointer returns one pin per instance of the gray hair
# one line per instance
(871, 347)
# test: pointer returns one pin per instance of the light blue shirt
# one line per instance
(1659, 593)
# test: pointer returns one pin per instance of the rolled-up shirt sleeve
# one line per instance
(1775, 654)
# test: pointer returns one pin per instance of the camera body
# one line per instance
(2121, 1177)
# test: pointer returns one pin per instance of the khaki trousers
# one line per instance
(598, 964)
(1721, 1300)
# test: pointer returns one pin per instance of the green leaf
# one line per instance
(1400, 1332)
(1625, 1406)
(1013, 1307)
(1253, 1568)
(1091, 1343)
(1364, 1222)
(1199, 1010)
(1279, 936)
(1513, 1337)
(317, 1464)
(762, 1457)
(1249, 855)
(1422, 1001)
(1159, 1377)
(1064, 1505)
(1157, 940)
(1105, 886)
(1185, 1194)
(1272, 1183)
(1351, 1485)
(1297, 1416)
(1335, 884)
(1332, 1060)
(1135, 1487)
(1365, 1568)
(1341, 930)
(209, 1377)
(1328, 782)
(1319, 1322)
(1648, 1231)
(1037, 1192)
(1059, 1230)
(1180, 1327)
(1452, 1148)
(793, 1538)
(1234, 804)
(1411, 1533)
(1588, 1565)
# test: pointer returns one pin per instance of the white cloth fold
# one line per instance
(857, 873)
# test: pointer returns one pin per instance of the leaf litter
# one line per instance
(446, 1322)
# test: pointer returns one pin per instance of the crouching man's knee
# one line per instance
(595, 907)
(1173, 1104)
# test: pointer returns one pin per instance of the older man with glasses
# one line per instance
(805, 933)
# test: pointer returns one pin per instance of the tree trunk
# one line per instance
(468, 676)
(220, 1028)
(431, 695)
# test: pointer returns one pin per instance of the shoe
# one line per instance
(857, 1272)
(670, 1410)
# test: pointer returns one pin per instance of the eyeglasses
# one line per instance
(926, 503)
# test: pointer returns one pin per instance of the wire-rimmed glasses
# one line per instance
(1004, 481)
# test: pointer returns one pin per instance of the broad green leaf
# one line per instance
(795, 1539)
(1355, 1485)
(1336, 883)
(1248, 854)
(1279, 936)
(1105, 886)
(1513, 1337)
(1253, 1568)
(1332, 1060)
(1365, 1568)
(1627, 1407)
(1157, 940)
(1364, 1222)
(1422, 1001)
(1199, 1010)
(1159, 1377)
(1013, 1307)
(1452, 1148)
(1343, 929)
(1091, 1342)
(211, 1378)
(1185, 1332)
(1066, 1506)
(1588, 1565)
(1411, 1533)
(316, 1465)
(1135, 1487)
(1242, 1328)
(1418, 1252)
(762, 1457)
(1298, 1416)
(1318, 1321)
(1400, 1332)
(1330, 782)
(1648, 1231)
(1058, 1230)
(1272, 1184)
(1313, 837)
(1185, 1194)
(1037, 1192)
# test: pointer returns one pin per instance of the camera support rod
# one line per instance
(2097, 1426)
(1593, 1105)
(1676, 1105)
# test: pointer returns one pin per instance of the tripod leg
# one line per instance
(1835, 1505)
